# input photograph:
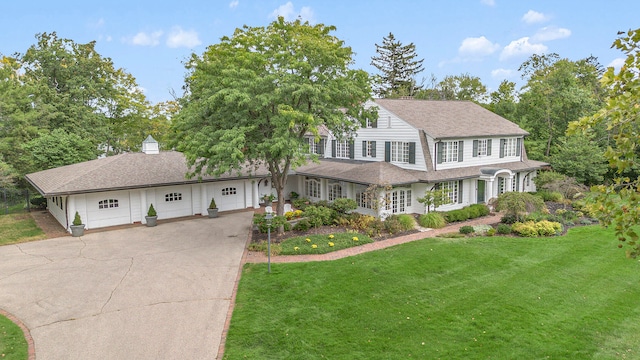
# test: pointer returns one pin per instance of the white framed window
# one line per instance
(335, 191)
(510, 147)
(398, 200)
(400, 151)
(342, 149)
(369, 149)
(363, 200)
(451, 188)
(313, 145)
(449, 151)
(312, 187)
(108, 204)
(482, 147)
(229, 191)
(173, 197)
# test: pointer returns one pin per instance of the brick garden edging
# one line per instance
(31, 352)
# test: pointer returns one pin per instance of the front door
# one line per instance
(480, 186)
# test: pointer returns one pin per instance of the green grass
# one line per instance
(16, 228)
(299, 245)
(13, 345)
(569, 297)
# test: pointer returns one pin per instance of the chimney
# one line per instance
(150, 146)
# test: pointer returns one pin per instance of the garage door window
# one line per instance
(229, 191)
(173, 197)
(108, 203)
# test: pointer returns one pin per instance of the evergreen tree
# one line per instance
(398, 66)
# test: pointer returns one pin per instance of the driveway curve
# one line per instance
(134, 293)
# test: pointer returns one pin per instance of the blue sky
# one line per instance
(485, 38)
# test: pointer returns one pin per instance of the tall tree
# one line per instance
(398, 65)
(462, 87)
(253, 96)
(553, 96)
(504, 101)
(618, 203)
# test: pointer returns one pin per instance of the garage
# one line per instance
(174, 201)
(229, 195)
(108, 209)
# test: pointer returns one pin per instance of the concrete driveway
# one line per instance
(135, 293)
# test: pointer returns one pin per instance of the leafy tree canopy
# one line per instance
(252, 98)
(619, 202)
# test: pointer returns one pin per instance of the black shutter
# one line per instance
(517, 182)
(412, 153)
(364, 149)
(387, 151)
(460, 192)
(460, 151)
(519, 145)
(502, 143)
(352, 153)
(475, 148)
(333, 148)
(321, 146)
(488, 147)
(439, 151)
(373, 149)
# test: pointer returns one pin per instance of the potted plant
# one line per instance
(77, 229)
(212, 209)
(152, 217)
(268, 199)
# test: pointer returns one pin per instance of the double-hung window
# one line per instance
(449, 151)
(451, 188)
(400, 151)
(342, 149)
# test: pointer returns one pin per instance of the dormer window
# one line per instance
(482, 147)
(316, 147)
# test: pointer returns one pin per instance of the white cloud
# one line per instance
(288, 12)
(533, 17)
(616, 63)
(488, 2)
(233, 4)
(108, 38)
(549, 33)
(144, 39)
(502, 73)
(182, 38)
(522, 47)
(475, 47)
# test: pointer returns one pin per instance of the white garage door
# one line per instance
(173, 201)
(108, 209)
(230, 195)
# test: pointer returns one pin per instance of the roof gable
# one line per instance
(451, 119)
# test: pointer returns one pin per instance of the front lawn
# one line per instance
(13, 345)
(19, 227)
(568, 297)
(321, 244)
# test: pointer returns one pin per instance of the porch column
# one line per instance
(255, 197)
(509, 185)
(489, 193)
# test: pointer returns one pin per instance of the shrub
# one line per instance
(39, 202)
(152, 211)
(360, 222)
(276, 222)
(466, 229)
(548, 228)
(407, 222)
(503, 229)
(517, 203)
(457, 215)
(319, 215)
(344, 205)
(511, 219)
(375, 227)
(77, 220)
(491, 232)
(481, 229)
(392, 224)
(302, 225)
(526, 229)
(547, 195)
(300, 203)
(479, 210)
(432, 220)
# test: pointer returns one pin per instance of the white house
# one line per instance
(413, 146)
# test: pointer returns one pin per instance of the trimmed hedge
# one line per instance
(466, 213)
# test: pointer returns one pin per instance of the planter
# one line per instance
(268, 203)
(151, 220)
(213, 213)
(77, 230)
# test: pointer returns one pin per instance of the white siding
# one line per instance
(57, 207)
(468, 158)
(108, 216)
(389, 128)
(180, 206)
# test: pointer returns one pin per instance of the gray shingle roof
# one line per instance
(451, 119)
(382, 173)
(124, 171)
